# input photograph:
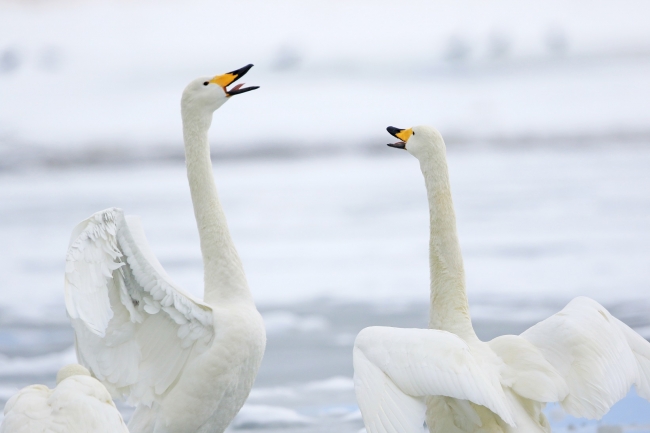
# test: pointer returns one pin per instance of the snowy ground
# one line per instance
(332, 245)
(535, 224)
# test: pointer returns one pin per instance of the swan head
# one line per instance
(206, 94)
(71, 370)
(418, 140)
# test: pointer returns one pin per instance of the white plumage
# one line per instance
(135, 328)
(186, 364)
(582, 357)
(78, 404)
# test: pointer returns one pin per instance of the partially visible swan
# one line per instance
(187, 364)
(78, 404)
(582, 357)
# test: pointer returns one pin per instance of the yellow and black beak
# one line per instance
(401, 134)
(226, 80)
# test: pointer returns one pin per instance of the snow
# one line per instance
(256, 416)
(296, 391)
(279, 322)
(537, 227)
(337, 383)
(44, 365)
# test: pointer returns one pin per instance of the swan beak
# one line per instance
(402, 134)
(226, 80)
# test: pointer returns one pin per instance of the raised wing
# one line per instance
(135, 328)
(395, 369)
(77, 405)
(526, 371)
(598, 356)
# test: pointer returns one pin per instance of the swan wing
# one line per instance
(135, 328)
(526, 371)
(395, 369)
(79, 404)
(598, 356)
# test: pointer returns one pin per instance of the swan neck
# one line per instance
(449, 309)
(224, 278)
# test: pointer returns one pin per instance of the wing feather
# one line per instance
(135, 328)
(598, 356)
(395, 369)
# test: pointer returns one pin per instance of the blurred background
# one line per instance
(544, 105)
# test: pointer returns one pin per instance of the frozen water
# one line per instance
(332, 245)
(256, 416)
(279, 321)
(537, 227)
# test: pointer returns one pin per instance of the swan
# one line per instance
(582, 357)
(78, 404)
(186, 364)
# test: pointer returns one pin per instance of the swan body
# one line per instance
(582, 357)
(78, 404)
(186, 364)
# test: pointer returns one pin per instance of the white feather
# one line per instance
(100, 234)
(599, 357)
(78, 404)
(582, 356)
(145, 338)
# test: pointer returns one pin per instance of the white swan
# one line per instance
(188, 365)
(78, 404)
(582, 357)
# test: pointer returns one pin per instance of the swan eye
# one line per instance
(414, 133)
(206, 83)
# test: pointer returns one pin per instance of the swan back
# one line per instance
(71, 370)
(78, 404)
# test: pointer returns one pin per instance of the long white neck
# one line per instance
(449, 309)
(224, 276)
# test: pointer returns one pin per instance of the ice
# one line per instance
(39, 365)
(332, 384)
(284, 392)
(353, 416)
(264, 416)
(537, 227)
(6, 392)
(337, 383)
(278, 322)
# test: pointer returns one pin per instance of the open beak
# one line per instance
(401, 134)
(226, 80)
